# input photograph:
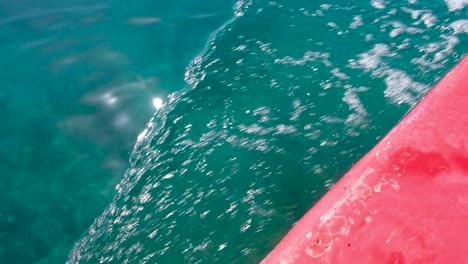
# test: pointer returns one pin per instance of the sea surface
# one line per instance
(192, 131)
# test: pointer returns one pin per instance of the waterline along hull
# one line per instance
(406, 201)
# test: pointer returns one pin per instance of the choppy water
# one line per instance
(283, 99)
(77, 79)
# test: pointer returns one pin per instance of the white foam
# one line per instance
(424, 16)
(460, 26)
(400, 28)
(241, 6)
(454, 5)
(352, 99)
(429, 19)
(357, 22)
(309, 56)
(449, 45)
(379, 4)
(401, 88)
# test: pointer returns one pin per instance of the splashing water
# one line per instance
(284, 98)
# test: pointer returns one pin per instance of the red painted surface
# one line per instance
(406, 201)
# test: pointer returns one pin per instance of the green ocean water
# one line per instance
(261, 107)
(77, 79)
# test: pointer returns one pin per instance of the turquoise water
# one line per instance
(77, 80)
(252, 123)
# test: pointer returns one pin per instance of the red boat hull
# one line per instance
(406, 201)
